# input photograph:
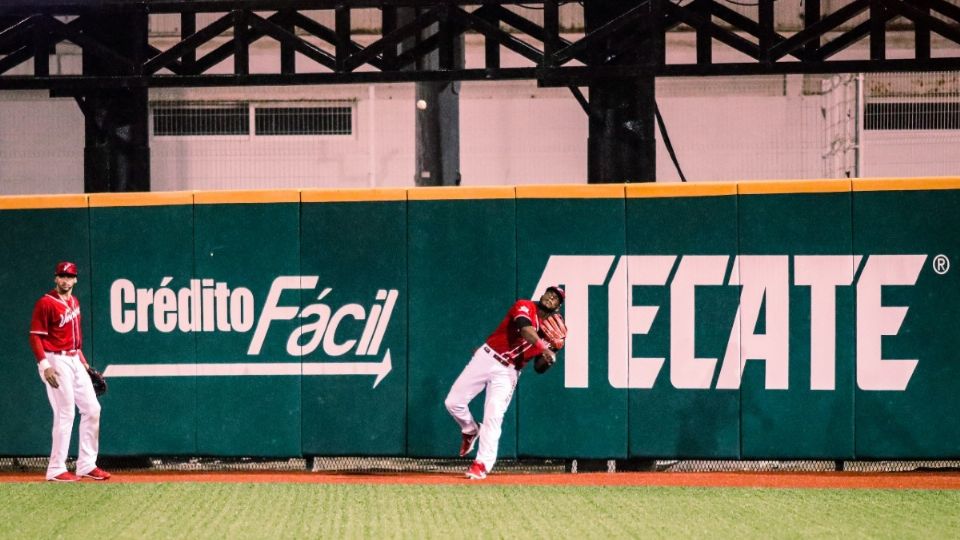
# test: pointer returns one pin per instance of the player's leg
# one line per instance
(499, 393)
(89, 409)
(63, 403)
(470, 383)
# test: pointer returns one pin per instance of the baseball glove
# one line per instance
(554, 330)
(99, 383)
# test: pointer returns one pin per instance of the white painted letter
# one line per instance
(576, 273)
(763, 277)
(874, 320)
(272, 310)
(315, 329)
(330, 346)
(625, 371)
(241, 309)
(121, 292)
(165, 309)
(823, 274)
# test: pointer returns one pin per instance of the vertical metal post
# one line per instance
(388, 23)
(288, 57)
(491, 54)
(922, 33)
(551, 30)
(766, 20)
(342, 22)
(116, 151)
(188, 27)
(622, 117)
(704, 35)
(447, 49)
(241, 50)
(372, 130)
(438, 112)
(491, 49)
(878, 30)
(811, 16)
(858, 134)
(657, 51)
(41, 52)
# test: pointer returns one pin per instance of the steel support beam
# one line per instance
(621, 119)
(28, 28)
(116, 152)
(437, 113)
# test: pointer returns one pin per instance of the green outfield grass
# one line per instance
(185, 510)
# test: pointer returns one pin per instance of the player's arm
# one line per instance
(83, 360)
(38, 328)
(540, 346)
(49, 373)
(36, 345)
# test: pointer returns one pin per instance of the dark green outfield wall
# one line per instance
(722, 321)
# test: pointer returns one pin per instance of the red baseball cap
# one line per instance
(560, 292)
(66, 269)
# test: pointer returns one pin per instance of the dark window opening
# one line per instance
(184, 121)
(304, 120)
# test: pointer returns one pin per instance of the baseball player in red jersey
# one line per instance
(496, 366)
(56, 338)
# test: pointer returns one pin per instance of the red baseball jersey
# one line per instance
(506, 339)
(57, 322)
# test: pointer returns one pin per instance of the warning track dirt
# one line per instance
(825, 480)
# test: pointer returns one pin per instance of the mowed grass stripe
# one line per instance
(184, 510)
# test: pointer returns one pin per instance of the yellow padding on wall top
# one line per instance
(457, 192)
(529, 191)
(158, 198)
(773, 187)
(27, 202)
(675, 189)
(906, 184)
(247, 196)
(349, 195)
(571, 191)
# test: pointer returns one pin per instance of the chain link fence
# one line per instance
(393, 465)
(362, 136)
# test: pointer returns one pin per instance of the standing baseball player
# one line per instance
(55, 338)
(496, 366)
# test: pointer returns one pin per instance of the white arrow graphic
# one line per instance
(380, 369)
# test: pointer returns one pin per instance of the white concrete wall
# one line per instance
(518, 134)
(41, 144)
(742, 138)
(380, 151)
(919, 153)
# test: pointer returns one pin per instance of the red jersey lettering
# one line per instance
(506, 339)
(57, 322)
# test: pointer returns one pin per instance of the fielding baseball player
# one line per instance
(55, 338)
(496, 366)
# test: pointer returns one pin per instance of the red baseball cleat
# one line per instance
(97, 474)
(477, 471)
(65, 477)
(468, 442)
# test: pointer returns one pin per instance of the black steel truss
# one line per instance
(630, 45)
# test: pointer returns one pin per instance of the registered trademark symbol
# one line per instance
(941, 264)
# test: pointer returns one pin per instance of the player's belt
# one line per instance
(496, 356)
(71, 352)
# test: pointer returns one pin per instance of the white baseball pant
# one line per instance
(483, 372)
(75, 392)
